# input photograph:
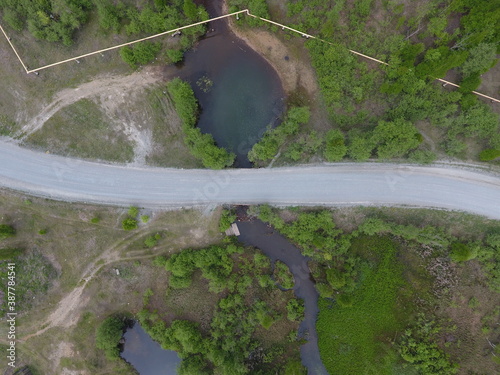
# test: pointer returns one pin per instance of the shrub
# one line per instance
(95, 220)
(295, 309)
(325, 290)
(175, 55)
(335, 148)
(461, 252)
(150, 242)
(226, 219)
(42, 231)
(423, 156)
(6, 231)
(261, 261)
(202, 146)
(283, 276)
(144, 218)
(335, 278)
(129, 224)
(419, 348)
(133, 211)
(108, 336)
(140, 54)
(489, 154)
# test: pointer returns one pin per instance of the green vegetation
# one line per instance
(369, 278)
(34, 276)
(108, 336)
(202, 146)
(227, 217)
(144, 218)
(461, 252)
(230, 343)
(357, 329)
(129, 224)
(6, 231)
(380, 111)
(295, 309)
(140, 54)
(283, 276)
(418, 347)
(10, 253)
(133, 211)
(489, 154)
(152, 241)
(59, 20)
(273, 139)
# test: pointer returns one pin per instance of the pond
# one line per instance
(146, 355)
(258, 234)
(239, 93)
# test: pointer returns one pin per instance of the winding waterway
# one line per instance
(275, 246)
(239, 93)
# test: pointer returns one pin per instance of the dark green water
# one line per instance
(240, 94)
(146, 355)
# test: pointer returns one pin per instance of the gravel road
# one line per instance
(68, 179)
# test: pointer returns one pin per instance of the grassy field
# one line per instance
(384, 272)
(73, 249)
(82, 130)
(357, 339)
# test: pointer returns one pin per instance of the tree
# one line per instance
(335, 148)
(360, 146)
(129, 224)
(108, 336)
(481, 58)
(395, 138)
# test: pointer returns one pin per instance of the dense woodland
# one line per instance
(248, 300)
(374, 111)
(60, 21)
(377, 111)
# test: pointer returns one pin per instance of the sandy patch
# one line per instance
(293, 72)
(109, 86)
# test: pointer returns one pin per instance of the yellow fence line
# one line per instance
(12, 46)
(284, 27)
(134, 41)
(360, 54)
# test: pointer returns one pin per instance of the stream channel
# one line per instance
(240, 96)
(239, 93)
(150, 359)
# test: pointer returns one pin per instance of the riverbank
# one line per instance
(293, 68)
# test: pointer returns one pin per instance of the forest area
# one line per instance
(384, 112)
(60, 20)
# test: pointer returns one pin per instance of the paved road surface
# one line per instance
(344, 184)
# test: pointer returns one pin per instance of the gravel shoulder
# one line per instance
(439, 186)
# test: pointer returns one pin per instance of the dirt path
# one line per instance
(67, 311)
(109, 86)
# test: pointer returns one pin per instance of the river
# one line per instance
(258, 234)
